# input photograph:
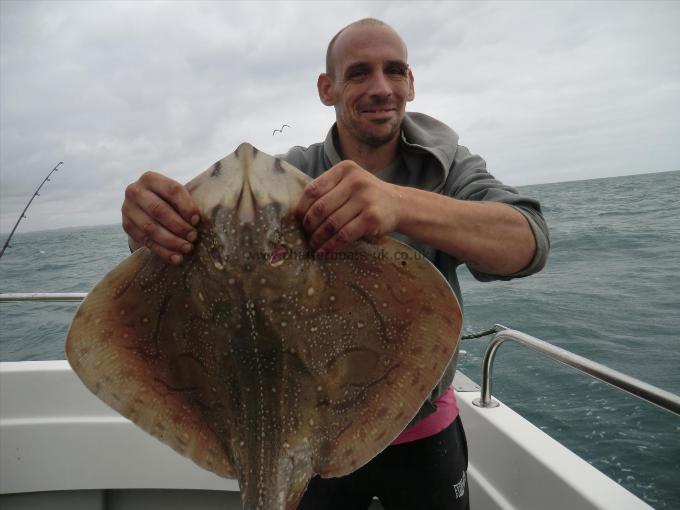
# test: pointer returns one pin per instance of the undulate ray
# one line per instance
(253, 358)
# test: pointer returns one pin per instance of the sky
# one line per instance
(545, 92)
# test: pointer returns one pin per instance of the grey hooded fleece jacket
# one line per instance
(432, 160)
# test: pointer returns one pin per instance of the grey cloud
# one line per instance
(544, 91)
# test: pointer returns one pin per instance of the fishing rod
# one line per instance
(23, 214)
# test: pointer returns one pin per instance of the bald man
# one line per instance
(383, 171)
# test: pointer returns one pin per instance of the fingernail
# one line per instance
(176, 259)
(192, 236)
(186, 248)
(195, 219)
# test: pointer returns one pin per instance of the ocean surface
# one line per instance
(610, 292)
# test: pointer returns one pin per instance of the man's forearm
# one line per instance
(491, 237)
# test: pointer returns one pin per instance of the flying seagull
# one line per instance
(280, 130)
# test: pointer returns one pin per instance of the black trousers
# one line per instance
(428, 474)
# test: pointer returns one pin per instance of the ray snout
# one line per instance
(248, 181)
(246, 203)
(267, 181)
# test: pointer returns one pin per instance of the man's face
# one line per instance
(371, 84)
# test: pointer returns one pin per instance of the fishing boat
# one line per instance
(62, 448)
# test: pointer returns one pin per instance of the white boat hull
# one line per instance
(60, 447)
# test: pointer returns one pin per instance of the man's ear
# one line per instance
(411, 90)
(325, 87)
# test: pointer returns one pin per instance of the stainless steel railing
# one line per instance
(662, 398)
(657, 396)
(42, 296)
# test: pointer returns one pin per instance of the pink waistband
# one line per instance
(446, 413)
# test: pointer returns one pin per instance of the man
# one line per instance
(382, 171)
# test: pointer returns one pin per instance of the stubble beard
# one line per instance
(376, 140)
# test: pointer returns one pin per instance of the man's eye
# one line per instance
(398, 70)
(357, 73)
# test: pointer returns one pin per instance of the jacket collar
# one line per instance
(419, 133)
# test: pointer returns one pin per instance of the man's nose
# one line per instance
(380, 85)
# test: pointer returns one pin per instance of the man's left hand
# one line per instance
(347, 203)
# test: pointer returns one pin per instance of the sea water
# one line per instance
(610, 292)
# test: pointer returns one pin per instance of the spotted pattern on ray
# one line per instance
(255, 359)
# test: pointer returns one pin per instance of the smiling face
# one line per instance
(370, 84)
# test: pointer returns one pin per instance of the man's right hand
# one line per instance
(160, 214)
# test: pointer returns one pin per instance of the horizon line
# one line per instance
(3, 234)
